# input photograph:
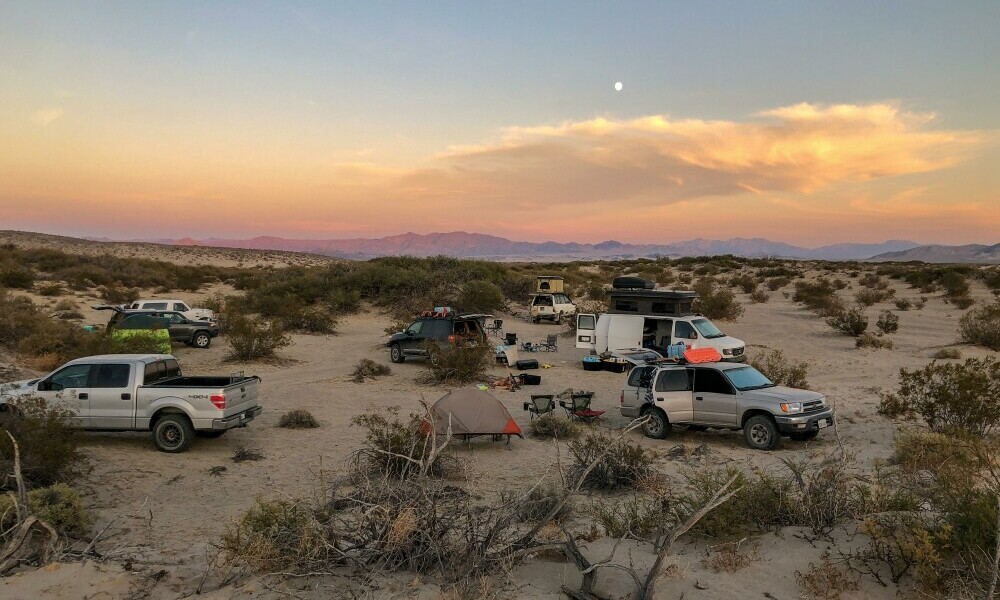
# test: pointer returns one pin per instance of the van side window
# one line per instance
(639, 376)
(674, 380)
(711, 381)
(155, 306)
(685, 331)
(181, 307)
(627, 305)
(111, 376)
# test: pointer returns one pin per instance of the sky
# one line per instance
(806, 122)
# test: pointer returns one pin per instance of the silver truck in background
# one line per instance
(143, 392)
(724, 396)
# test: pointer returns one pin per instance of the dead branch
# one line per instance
(33, 541)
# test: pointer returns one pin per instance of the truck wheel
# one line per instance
(201, 339)
(396, 353)
(804, 436)
(657, 426)
(434, 356)
(536, 320)
(558, 319)
(761, 433)
(173, 433)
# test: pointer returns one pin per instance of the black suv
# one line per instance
(182, 329)
(427, 334)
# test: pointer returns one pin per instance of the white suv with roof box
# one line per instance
(173, 305)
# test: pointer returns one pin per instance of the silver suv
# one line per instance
(726, 396)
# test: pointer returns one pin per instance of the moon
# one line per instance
(618, 86)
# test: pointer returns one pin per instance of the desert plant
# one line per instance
(635, 516)
(51, 289)
(298, 418)
(368, 369)
(949, 396)
(17, 277)
(759, 296)
(309, 319)
(552, 426)
(900, 544)
(869, 340)
(539, 503)
(904, 304)
(819, 296)
(459, 364)
(947, 354)
(251, 338)
(982, 326)
(394, 447)
(480, 296)
(626, 465)
(780, 370)
(849, 322)
(716, 302)
(277, 535)
(730, 557)
(49, 447)
(58, 504)
(888, 322)
(824, 581)
(247, 454)
(869, 297)
(776, 283)
(746, 282)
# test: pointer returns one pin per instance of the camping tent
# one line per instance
(472, 411)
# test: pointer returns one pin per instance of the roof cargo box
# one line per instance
(632, 283)
(549, 284)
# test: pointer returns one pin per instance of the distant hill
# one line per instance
(972, 253)
(479, 245)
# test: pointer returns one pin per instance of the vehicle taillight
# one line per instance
(219, 400)
(451, 339)
(621, 398)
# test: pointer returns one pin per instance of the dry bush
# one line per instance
(731, 557)
(759, 297)
(949, 396)
(298, 418)
(552, 426)
(51, 289)
(904, 304)
(251, 338)
(900, 544)
(309, 319)
(716, 302)
(776, 283)
(17, 277)
(458, 365)
(869, 340)
(247, 454)
(394, 447)
(625, 466)
(117, 294)
(888, 322)
(539, 503)
(59, 505)
(819, 296)
(850, 322)
(635, 517)
(947, 354)
(278, 536)
(368, 369)
(824, 581)
(869, 297)
(982, 326)
(872, 281)
(49, 448)
(480, 297)
(745, 281)
(780, 370)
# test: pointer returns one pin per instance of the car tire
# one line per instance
(396, 353)
(558, 318)
(173, 433)
(536, 320)
(211, 433)
(761, 433)
(201, 339)
(804, 436)
(658, 426)
(434, 356)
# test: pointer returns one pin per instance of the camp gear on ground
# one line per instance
(526, 363)
(592, 363)
(528, 379)
(510, 339)
(471, 412)
(578, 406)
(615, 365)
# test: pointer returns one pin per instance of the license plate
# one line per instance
(823, 423)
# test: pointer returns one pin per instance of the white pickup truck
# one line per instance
(143, 392)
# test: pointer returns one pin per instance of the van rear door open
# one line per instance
(586, 331)
(624, 331)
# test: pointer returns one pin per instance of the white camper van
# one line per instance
(643, 317)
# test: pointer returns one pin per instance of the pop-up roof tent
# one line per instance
(472, 412)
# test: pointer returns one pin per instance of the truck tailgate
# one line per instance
(241, 396)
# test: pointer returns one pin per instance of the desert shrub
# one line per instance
(869, 340)
(393, 447)
(716, 302)
(397, 326)
(873, 281)
(869, 297)
(759, 297)
(460, 364)
(819, 296)
(947, 354)
(59, 505)
(730, 557)
(298, 418)
(745, 281)
(634, 516)
(824, 581)
(251, 338)
(900, 544)
(368, 369)
(65, 304)
(920, 304)
(516, 287)
(620, 464)
(539, 503)
(888, 322)
(51, 289)
(117, 294)
(949, 396)
(49, 448)
(480, 296)
(552, 426)
(310, 319)
(849, 322)
(17, 277)
(780, 370)
(904, 304)
(982, 326)
(776, 283)
(278, 536)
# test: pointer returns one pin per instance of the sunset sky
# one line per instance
(804, 122)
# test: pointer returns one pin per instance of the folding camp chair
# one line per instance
(578, 406)
(540, 405)
(496, 329)
(551, 343)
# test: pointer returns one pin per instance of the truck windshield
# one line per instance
(707, 329)
(748, 378)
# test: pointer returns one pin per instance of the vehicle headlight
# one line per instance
(727, 351)
(791, 407)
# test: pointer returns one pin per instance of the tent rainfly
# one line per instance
(472, 412)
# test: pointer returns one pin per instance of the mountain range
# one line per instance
(479, 245)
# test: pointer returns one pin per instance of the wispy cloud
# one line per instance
(46, 115)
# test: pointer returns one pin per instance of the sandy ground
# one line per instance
(188, 508)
